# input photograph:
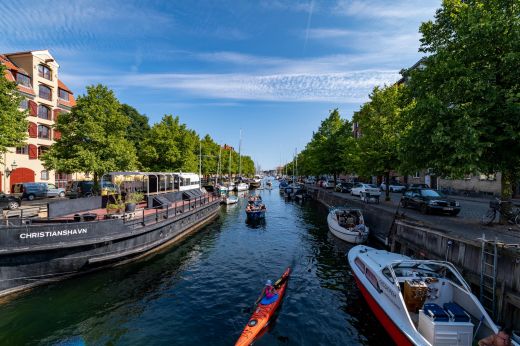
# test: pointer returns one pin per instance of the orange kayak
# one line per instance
(263, 313)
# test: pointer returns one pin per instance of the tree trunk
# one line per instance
(387, 192)
(95, 188)
(335, 180)
(506, 192)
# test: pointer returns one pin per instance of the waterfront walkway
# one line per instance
(466, 225)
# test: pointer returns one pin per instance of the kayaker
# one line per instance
(269, 294)
(269, 289)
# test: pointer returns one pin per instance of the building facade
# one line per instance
(46, 96)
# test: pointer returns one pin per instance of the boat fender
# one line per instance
(252, 323)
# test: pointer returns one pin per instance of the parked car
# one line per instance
(343, 187)
(393, 187)
(9, 202)
(31, 191)
(328, 184)
(84, 188)
(428, 200)
(362, 189)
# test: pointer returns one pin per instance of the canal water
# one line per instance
(201, 291)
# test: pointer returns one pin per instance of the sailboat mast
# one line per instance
(200, 161)
(240, 155)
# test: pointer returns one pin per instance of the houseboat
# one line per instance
(87, 234)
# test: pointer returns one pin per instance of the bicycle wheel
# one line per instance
(488, 217)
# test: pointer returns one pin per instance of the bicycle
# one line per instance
(498, 206)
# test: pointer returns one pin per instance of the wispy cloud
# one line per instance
(398, 9)
(348, 87)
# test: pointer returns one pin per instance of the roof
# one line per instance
(62, 86)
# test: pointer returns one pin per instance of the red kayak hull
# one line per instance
(262, 315)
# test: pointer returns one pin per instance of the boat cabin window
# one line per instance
(360, 264)
(388, 275)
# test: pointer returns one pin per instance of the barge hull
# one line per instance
(59, 251)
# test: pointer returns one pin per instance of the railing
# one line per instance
(26, 216)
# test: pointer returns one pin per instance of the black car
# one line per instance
(77, 189)
(9, 202)
(428, 200)
(344, 187)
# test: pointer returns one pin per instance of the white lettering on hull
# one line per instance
(66, 232)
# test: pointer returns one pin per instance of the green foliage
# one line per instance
(171, 146)
(93, 136)
(138, 129)
(13, 122)
(381, 125)
(466, 112)
(134, 197)
(210, 156)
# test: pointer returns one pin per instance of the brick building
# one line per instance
(46, 96)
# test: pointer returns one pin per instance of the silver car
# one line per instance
(362, 189)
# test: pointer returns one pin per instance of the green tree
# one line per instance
(325, 147)
(93, 136)
(466, 112)
(210, 156)
(171, 146)
(13, 122)
(381, 127)
(138, 129)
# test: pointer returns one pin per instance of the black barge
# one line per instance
(79, 236)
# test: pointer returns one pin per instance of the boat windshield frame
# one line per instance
(416, 263)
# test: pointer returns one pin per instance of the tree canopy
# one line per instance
(381, 127)
(466, 93)
(93, 136)
(13, 123)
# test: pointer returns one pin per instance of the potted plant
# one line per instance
(132, 200)
(113, 208)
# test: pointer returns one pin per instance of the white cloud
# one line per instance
(347, 87)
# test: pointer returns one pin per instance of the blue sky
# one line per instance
(272, 68)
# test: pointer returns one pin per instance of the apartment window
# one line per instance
(42, 150)
(45, 92)
(417, 175)
(44, 112)
(23, 150)
(23, 79)
(24, 104)
(44, 72)
(44, 132)
(45, 175)
(64, 95)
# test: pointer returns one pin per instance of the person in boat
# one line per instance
(502, 338)
(269, 294)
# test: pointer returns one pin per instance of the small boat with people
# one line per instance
(348, 224)
(255, 209)
(420, 302)
(265, 307)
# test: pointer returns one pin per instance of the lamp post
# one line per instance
(8, 171)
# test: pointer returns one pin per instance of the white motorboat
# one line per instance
(419, 302)
(222, 189)
(232, 199)
(242, 187)
(348, 224)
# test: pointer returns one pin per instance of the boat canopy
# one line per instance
(424, 268)
(155, 182)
